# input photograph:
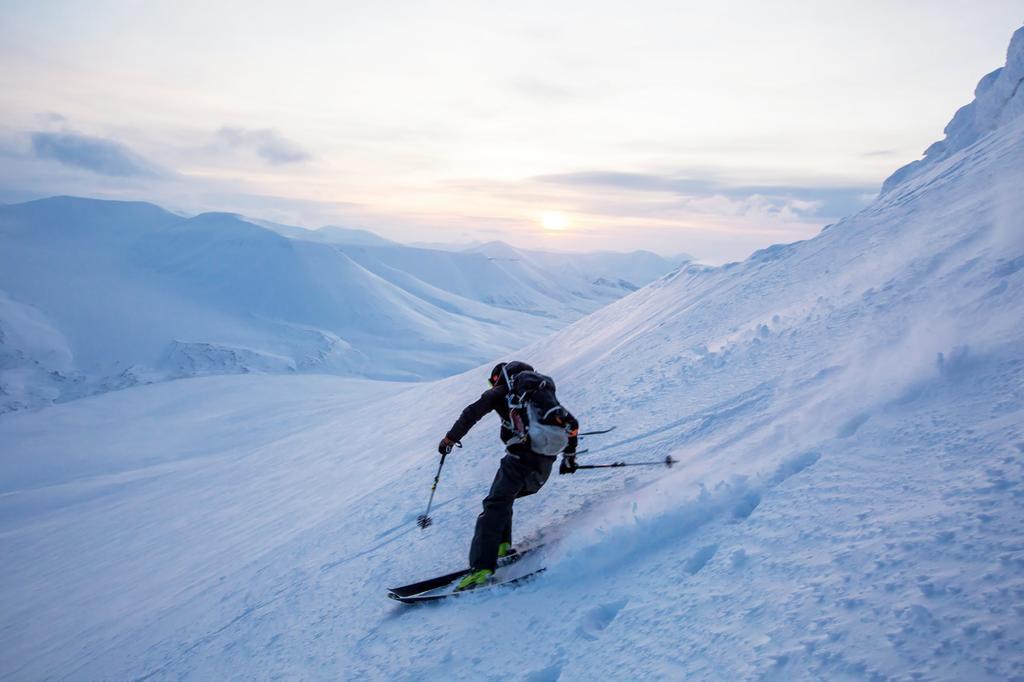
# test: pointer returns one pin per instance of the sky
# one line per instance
(711, 129)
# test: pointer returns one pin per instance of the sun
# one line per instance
(556, 222)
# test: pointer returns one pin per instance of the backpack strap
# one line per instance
(553, 409)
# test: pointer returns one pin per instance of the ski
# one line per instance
(433, 595)
(596, 432)
(416, 591)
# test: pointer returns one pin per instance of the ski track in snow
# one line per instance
(848, 416)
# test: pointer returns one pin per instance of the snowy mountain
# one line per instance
(554, 285)
(848, 416)
(601, 276)
(330, 234)
(998, 100)
(637, 267)
(101, 295)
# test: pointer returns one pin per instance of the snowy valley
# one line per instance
(847, 413)
(103, 295)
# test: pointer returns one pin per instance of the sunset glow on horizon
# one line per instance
(674, 127)
(554, 222)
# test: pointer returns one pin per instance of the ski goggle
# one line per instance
(498, 375)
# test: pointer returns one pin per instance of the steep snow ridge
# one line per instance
(998, 100)
(897, 331)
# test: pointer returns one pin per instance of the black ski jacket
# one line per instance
(495, 399)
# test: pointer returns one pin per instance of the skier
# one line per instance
(522, 472)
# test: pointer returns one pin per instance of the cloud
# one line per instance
(830, 201)
(636, 181)
(266, 142)
(96, 154)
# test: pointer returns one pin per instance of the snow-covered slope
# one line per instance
(138, 294)
(998, 100)
(847, 411)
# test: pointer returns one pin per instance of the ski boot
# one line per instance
(474, 579)
(505, 549)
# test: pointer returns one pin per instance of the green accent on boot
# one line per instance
(474, 579)
(504, 549)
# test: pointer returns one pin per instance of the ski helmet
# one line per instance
(496, 374)
(504, 371)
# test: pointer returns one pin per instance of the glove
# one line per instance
(446, 445)
(568, 465)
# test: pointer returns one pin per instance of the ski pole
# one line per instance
(424, 519)
(668, 461)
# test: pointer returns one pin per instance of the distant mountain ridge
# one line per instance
(329, 234)
(99, 295)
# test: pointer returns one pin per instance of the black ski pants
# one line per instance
(518, 476)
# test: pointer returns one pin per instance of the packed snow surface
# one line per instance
(848, 413)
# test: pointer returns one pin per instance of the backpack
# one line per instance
(536, 416)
